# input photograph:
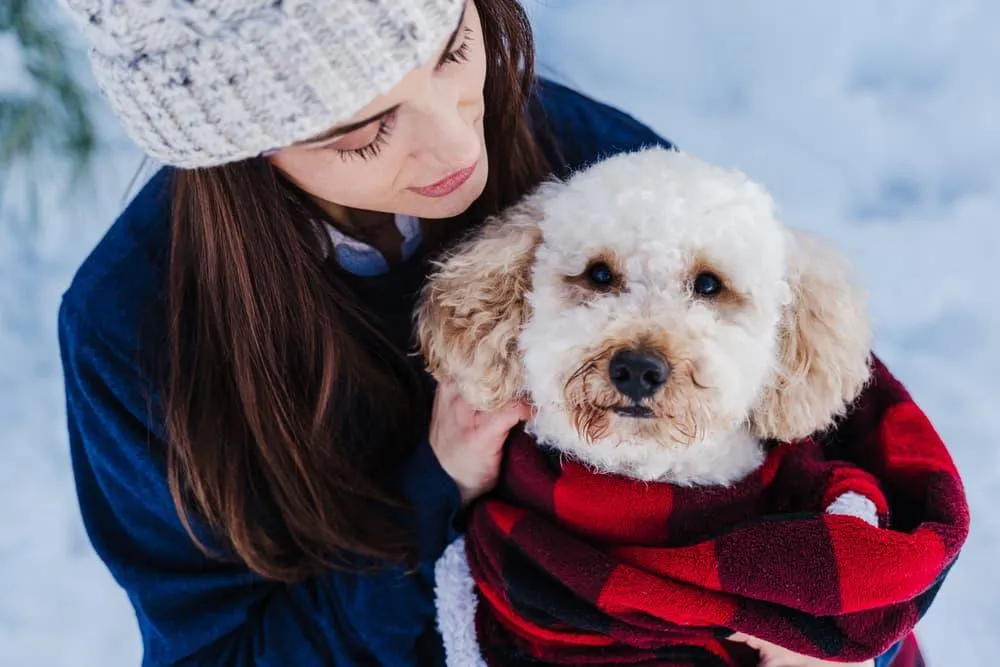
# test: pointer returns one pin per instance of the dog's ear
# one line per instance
(472, 309)
(824, 349)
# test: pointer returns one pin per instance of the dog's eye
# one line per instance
(600, 275)
(707, 284)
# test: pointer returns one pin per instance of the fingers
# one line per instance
(447, 393)
(772, 655)
(498, 423)
(502, 420)
(449, 400)
(526, 411)
(772, 662)
(752, 642)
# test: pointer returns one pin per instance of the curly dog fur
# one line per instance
(757, 329)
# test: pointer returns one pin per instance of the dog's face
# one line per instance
(654, 308)
(648, 307)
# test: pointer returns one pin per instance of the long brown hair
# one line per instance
(273, 365)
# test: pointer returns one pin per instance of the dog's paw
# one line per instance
(856, 505)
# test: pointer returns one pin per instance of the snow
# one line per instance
(873, 122)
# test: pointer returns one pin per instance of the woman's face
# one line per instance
(417, 150)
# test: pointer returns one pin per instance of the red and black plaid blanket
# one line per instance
(576, 568)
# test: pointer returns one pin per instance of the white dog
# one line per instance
(659, 316)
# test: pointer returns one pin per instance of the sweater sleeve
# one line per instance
(575, 130)
(885, 660)
(196, 611)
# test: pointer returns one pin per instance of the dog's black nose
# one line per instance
(638, 374)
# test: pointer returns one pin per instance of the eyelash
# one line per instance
(460, 54)
(372, 150)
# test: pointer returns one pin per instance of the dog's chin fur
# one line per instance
(719, 460)
(780, 352)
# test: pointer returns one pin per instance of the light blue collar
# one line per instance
(362, 259)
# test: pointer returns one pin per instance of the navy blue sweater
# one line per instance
(190, 609)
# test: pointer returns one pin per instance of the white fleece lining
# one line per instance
(856, 505)
(455, 598)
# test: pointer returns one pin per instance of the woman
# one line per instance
(259, 462)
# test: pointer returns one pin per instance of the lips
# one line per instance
(448, 184)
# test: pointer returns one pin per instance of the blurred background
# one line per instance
(875, 123)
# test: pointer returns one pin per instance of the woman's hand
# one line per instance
(775, 656)
(469, 443)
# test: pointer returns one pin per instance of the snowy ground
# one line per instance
(872, 121)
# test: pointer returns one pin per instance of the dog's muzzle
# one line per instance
(638, 374)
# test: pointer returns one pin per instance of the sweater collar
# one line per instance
(364, 260)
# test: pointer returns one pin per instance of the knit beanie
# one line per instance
(199, 83)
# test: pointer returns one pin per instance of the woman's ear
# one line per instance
(824, 349)
(473, 307)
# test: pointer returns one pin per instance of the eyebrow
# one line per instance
(341, 130)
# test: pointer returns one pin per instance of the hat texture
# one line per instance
(199, 83)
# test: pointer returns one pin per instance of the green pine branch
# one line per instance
(54, 114)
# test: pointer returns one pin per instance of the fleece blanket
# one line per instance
(834, 548)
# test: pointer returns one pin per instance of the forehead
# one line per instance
(662, 205)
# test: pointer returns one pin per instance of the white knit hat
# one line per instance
(199, 83)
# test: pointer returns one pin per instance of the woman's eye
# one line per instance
(460, 54)
(358, 138)
(368, 143)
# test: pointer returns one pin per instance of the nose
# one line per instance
(638, 374)
(448, 134)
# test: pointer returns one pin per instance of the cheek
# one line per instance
(737, 358)
(553, 346)
(474, 77)
(350, 182)
(554, 342)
